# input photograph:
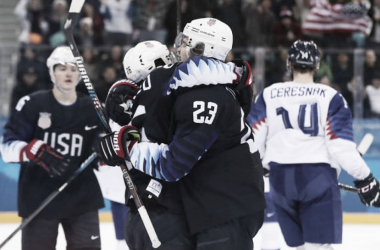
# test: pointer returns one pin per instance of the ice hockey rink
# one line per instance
(355, 237)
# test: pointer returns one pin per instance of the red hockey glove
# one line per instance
(119, 101)
(244, 86)
(115, 147)
(369, 191)
(45, 156)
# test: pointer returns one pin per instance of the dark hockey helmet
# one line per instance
(304, 54)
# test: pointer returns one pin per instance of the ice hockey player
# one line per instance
(208, 144)
(51, 133)
(152, 117)
(305, 136)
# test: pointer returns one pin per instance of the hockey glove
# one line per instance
(244, 86)
(119, 101)
(45, 156)
(114, 147)
(368, 190)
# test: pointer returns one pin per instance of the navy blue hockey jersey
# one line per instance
(71, 130)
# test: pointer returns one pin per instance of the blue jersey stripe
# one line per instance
(339, 119)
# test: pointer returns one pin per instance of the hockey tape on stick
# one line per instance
(75, 8)
(362, 148)
(48, 199)
(365, 143)
(348, 188)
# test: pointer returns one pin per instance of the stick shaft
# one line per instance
(51, 197)
(348, 188)
(178, 16)
(95, 99)
(365, 143)
(362, 148)
(68, 28)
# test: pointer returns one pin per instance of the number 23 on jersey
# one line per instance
(204, 112)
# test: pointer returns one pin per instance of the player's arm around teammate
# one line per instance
(211, 140)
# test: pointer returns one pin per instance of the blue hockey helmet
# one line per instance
(304, 54)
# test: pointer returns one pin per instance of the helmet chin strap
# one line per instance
(197, 50)
(190, 52)
(61, 89)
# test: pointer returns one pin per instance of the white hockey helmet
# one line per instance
(212, 34)
(140, 60)
(60, 55)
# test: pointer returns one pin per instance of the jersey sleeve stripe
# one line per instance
(339, 119)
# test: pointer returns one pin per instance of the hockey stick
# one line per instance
(75, 8)
(365, 144)
(348, 188)
(362, 149)
(50, 198)
(179, 3)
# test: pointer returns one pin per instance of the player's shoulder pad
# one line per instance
(268, 89)
(41, 94)
(40, 97)
(163, 70)
(201, 70)
(329, 88)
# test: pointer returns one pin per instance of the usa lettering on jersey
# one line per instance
(65, 143)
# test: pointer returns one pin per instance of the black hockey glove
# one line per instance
(114, 147)
(369, 191)
(119, 101)
(244, 86)
(45, 156)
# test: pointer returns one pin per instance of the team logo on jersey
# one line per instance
(211, 22)
(44, 121)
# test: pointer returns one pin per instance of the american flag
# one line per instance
(344, 18)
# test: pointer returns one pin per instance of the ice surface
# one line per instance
(355, 237)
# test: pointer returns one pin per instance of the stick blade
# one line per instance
(365, 143)
(76, 6)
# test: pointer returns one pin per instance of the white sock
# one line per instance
(121, 245)
(301, 247)
(271, 234)
(314, 246)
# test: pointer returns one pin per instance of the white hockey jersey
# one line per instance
(305, 123)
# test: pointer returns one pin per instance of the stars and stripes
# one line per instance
(327, 18)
